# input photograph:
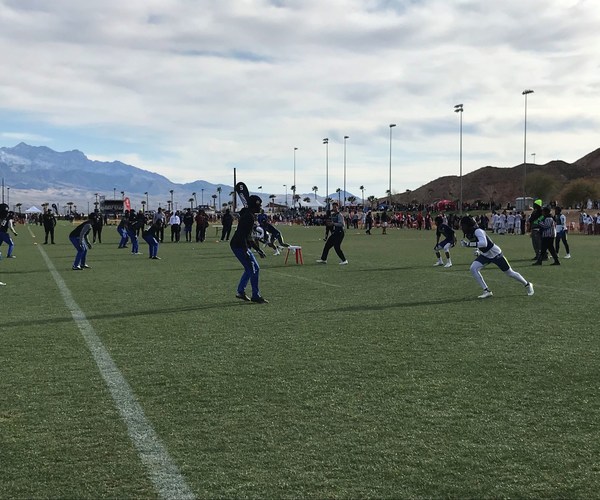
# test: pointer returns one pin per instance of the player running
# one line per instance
(487, 252)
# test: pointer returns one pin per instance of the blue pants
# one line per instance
(82, 249)
(124, 237)
(134, 241)
(152, 245)
(5, 238)
(251, 270)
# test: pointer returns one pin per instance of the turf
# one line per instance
(385, 378)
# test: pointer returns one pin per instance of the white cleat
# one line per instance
(485, 295)
(438, 263)
(2, 284)
(529, 288)
(568, 256)
(344, 263)
(448, 264)
(320, 261)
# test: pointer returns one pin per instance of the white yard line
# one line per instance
(164, 473)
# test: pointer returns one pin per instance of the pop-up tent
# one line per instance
(33, 210)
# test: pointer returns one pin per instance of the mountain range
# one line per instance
(38, 174)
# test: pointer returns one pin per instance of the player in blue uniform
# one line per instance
(6, 225)
(272, 234)
(79, 238)
(443, 229)
(241, 244)
(487, 252)
(150, 236)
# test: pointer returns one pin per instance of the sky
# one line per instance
(193, 89)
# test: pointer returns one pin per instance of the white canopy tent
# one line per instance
(33, 210)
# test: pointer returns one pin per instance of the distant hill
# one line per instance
(502, 185)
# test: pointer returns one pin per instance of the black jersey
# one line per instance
(243, 234)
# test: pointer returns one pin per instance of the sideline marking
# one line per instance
(164, 473)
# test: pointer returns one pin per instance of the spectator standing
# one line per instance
(562, 230)
(175, 223)
(49, 221)
(97, 224)
(227, 222)
(188, 224)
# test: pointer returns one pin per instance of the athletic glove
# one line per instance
(464, 243)
(476, 253)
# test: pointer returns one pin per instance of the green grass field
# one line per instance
(386, 378)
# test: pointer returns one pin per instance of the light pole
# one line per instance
(392, 125)
(294, 190)
(526, 92)
(195, 200)
(533, 154)
(346, 137)
(326, 142)
(285, 186)
(147, 204)
(114, 193)
(8, 198)
(123, 195)
(362, 190)
(202, 196)
(171, 191)
(459, 109)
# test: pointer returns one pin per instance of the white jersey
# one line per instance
(485, 245)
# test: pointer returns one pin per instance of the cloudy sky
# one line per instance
(191, 89)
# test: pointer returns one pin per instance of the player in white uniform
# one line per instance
(487, 252)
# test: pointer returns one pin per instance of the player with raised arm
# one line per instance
(487, 252)
(243, 241)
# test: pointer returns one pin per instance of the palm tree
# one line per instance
(272, 198)
(219, 189)
(306, 200)
(191, 200)
(339, 192)
(70, 205)
(362, 188)
(144, 205)
(315, 189)
(371, 199)
(293, 189)
(352, 199)
(214, 197)
(19, 205)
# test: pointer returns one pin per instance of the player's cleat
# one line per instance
(277, 252)
(321, 261)
(555, 263)
(344, 263)
(2, 284)
(76, 268)
(485, 294)
(11, 256)
(537, 263)
(529, 288)
(156, 257)
(448, 264)
(85, 266)
(568, 256)
(438, 263)
(242, 296)
(259, 300)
